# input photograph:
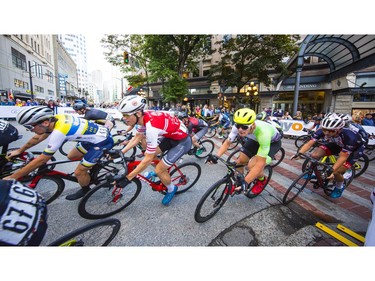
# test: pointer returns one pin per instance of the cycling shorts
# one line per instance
(93, 151)
(175, 149)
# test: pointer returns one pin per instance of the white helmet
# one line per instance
(333, 122)
(132, 104)
(345, 117)
(34, 114)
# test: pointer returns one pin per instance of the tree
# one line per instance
(251, 57)
(163, 58)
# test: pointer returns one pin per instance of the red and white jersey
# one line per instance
(160, 124)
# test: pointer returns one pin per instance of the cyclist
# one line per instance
(8, 134)
(197, 128)
(93, 114)
(337, 140)
(263, 142)
(161, 129)
(94, 138)
(355, 127)
(223, 121)
(23, 215)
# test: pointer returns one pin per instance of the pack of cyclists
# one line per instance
(172, 137)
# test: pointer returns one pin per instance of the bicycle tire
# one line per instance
(234, 155)
(99, 172)
(70, 239)
(211, 132)
(369, 151)
(64, 148)
(212, 200)
(233, 144)
(364, 163)
(106, 199)
(50, 188)
(301, 140)
(278, 158)
(268, 174)
(184, 176)
(296, 187)
(207, 148)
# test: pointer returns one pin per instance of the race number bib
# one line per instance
(21, 216)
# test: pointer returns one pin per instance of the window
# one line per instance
(20, 84)
(18, 59)
(39, 89)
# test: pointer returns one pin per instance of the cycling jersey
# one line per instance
(196, 124)
(161, 124)
(264, 134)
(68, 127)
(98, 116)
(8, 133)
(347, 140)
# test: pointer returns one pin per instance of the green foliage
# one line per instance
(251, 57)
(175, 90)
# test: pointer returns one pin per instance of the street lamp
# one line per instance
(252, 92)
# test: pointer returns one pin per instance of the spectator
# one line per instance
(298, 116)
(18, 102)
(286, 116)
(368, 120)
(6, 102)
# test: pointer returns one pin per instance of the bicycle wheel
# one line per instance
(184, 176)
(361, 165)
(66, 147)
(234, 155)
(50, 188)
(108, 199)
(211, 132)
(232, 145)
(296, 187)
(268, 175)
(207, 148)
(212, 200)
(369, 151)
(99, 233)
(99, 172)
(278, 158)
(301, 140)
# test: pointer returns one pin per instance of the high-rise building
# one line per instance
(75, 44)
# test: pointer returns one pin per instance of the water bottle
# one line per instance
(150, 175)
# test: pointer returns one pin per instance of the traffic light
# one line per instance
(126, 58)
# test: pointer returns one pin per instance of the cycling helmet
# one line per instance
(132, 104)
(244, 116)
(328, 114)
(34, 114)
(262, 116)
(23, 215)
(182, 115)
(79, 106)
(333, 122)
(345, 117)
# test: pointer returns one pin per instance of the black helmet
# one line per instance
(182, 115)
(79, 106)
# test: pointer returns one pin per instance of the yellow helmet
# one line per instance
(244, 116)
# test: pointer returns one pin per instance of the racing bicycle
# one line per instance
(109, 197)
(206, 148)
(321, 171)
(216, 196)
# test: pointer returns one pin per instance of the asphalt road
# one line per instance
(146, 222)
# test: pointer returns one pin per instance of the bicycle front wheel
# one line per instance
(207, 146)
(108, 199)
(361, 165)
(185, 176)
(66, 147)
(211, 132)
(278, 158)
(296, 187)
(212, 200)
(301, 140)
(50, 188)
(99, 233)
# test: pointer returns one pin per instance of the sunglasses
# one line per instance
(31, 127)
(126, 115)
(243, 127)
(329, 131)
